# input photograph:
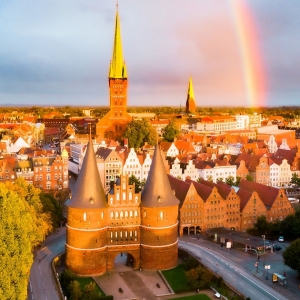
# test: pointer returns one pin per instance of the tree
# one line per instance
(90, 292)
(138, 132)
(17, 234)
(291, 256)
(290, 226)
(137, 183)
(230, 180)
(199, 277)
(238, 180)
(75, 290)
(295, 179)
(261, 226)
(249, 178)
(170, 132)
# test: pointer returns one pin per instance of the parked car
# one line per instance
(276, 247)
(281, 239)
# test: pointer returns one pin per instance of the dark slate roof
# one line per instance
(157, 191)
(103, 152)
(88, 191)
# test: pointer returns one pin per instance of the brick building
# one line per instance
(100, 227)
(114, 123)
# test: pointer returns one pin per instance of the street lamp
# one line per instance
(264, 237)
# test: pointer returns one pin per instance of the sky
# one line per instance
(238, 52)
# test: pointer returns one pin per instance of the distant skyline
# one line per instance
(238, 52)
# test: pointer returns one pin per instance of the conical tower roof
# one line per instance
(157, 191)
(117, 68)
(88, 191)
(190, 94)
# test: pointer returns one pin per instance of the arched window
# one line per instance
(130, 196)
(161, 215)
(102, 214)
(130, 214)
(117, 215)
(118, 196)
(111, 215)
(121, 214)
(126, 214)
(135, 213)
(124, 196)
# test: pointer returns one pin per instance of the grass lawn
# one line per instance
(85, 281)
(176, 279)
(195, 297)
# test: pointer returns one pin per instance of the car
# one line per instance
(281, 239)
(276, 247)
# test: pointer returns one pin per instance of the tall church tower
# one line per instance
(159, 219)
(87, 213)
(190, 106)
(113, 124)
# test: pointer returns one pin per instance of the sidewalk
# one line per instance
(139, 285)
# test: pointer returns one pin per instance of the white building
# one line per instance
(242, 122)
(132, 165)
(176, 170)
(217, 172)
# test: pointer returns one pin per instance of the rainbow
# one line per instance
(253, 68)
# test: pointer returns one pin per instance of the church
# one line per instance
(114, 123)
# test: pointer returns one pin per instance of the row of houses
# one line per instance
(205, 205)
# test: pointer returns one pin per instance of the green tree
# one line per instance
(170, 132)
(138, 185)
(290, 226)
(230, 180)
(249, 178)
(262, 226)
(90, 292)
(75, 290)
(291, 256)
(199, 277)
(138, 132)
(17, 234)
(238, 180)
(295, 179)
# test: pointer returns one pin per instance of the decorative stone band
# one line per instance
(161, 246)
(86, 249)
(82, 229)
(165, 227)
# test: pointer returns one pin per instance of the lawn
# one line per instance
(85, 281)
(195, 297)
(177, 280)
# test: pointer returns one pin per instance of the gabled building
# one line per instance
(190, 207)
(109, 165)
(251, 208)
(275, 200)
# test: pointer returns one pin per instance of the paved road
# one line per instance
(42, 285)
(235, 275)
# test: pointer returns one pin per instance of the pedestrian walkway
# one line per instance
(125, 283)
